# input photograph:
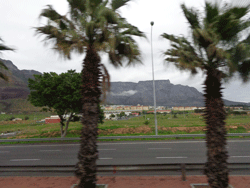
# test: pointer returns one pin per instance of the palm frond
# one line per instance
(244, 70)
(116, 4)
(76, 8)
(192, 16)
(182, 54)
(211, 13)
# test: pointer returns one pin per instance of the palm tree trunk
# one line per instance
(216, 165)
(88, 154)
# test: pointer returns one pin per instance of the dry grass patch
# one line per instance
(127, 130)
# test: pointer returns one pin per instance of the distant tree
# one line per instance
(101, 115)
(11, 118)
(112, 115)
(198, 111)
(122, 114)
(59, 92)
(2, 66)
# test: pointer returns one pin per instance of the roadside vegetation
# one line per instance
(192, 123)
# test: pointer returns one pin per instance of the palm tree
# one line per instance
(92, 26)
(2, 65)
(218, 46)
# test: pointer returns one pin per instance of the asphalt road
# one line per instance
(113, 153)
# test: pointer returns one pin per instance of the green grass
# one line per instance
(29, 129)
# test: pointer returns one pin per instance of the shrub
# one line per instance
(75, 118)
(11, 118)
(26, 118)
(146, 122)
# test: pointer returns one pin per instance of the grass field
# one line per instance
(191, 123)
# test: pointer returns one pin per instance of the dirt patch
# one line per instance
(190, 129)
(185, 129)
(51, 134)
(127, 130)
(14, 122)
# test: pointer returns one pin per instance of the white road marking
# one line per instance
(238, 156)
(50, 150)
(171, 157)
(4, 151)
(105, 158)
(159, 148)
(24, 159)
(106, 149)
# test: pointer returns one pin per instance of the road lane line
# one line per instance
(238, 156)
(50, 150)
(106, 149)
(171, 157)
(24, 159)
(105, 158)
(159, 148)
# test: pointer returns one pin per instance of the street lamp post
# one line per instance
(156, 131)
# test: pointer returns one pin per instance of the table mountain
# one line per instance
(167, 94)
(123, 93)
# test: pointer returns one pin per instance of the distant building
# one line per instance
(119, 108)
(145, 107)
(135, 114)
(133, 107)
(52, 119)
(139, 108)
(108, 108)
(127, 108)
(188, 108)
(159, 111)
(179, 108)
(163, 111)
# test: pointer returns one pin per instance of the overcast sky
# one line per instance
(19, 17)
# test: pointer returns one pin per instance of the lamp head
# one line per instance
(152, 23)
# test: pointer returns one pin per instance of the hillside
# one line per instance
(13, 94)
(167, 94)
(15, 88)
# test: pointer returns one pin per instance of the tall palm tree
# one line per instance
(92, 26)
(218, 46)
(2, 66)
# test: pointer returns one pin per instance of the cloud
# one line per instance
(124, 93)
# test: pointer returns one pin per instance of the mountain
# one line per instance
(16, 87)
(167, 94)
(126, 93)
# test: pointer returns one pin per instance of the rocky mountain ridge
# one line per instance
(122, 93)
(17, 86)
(167, 94)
